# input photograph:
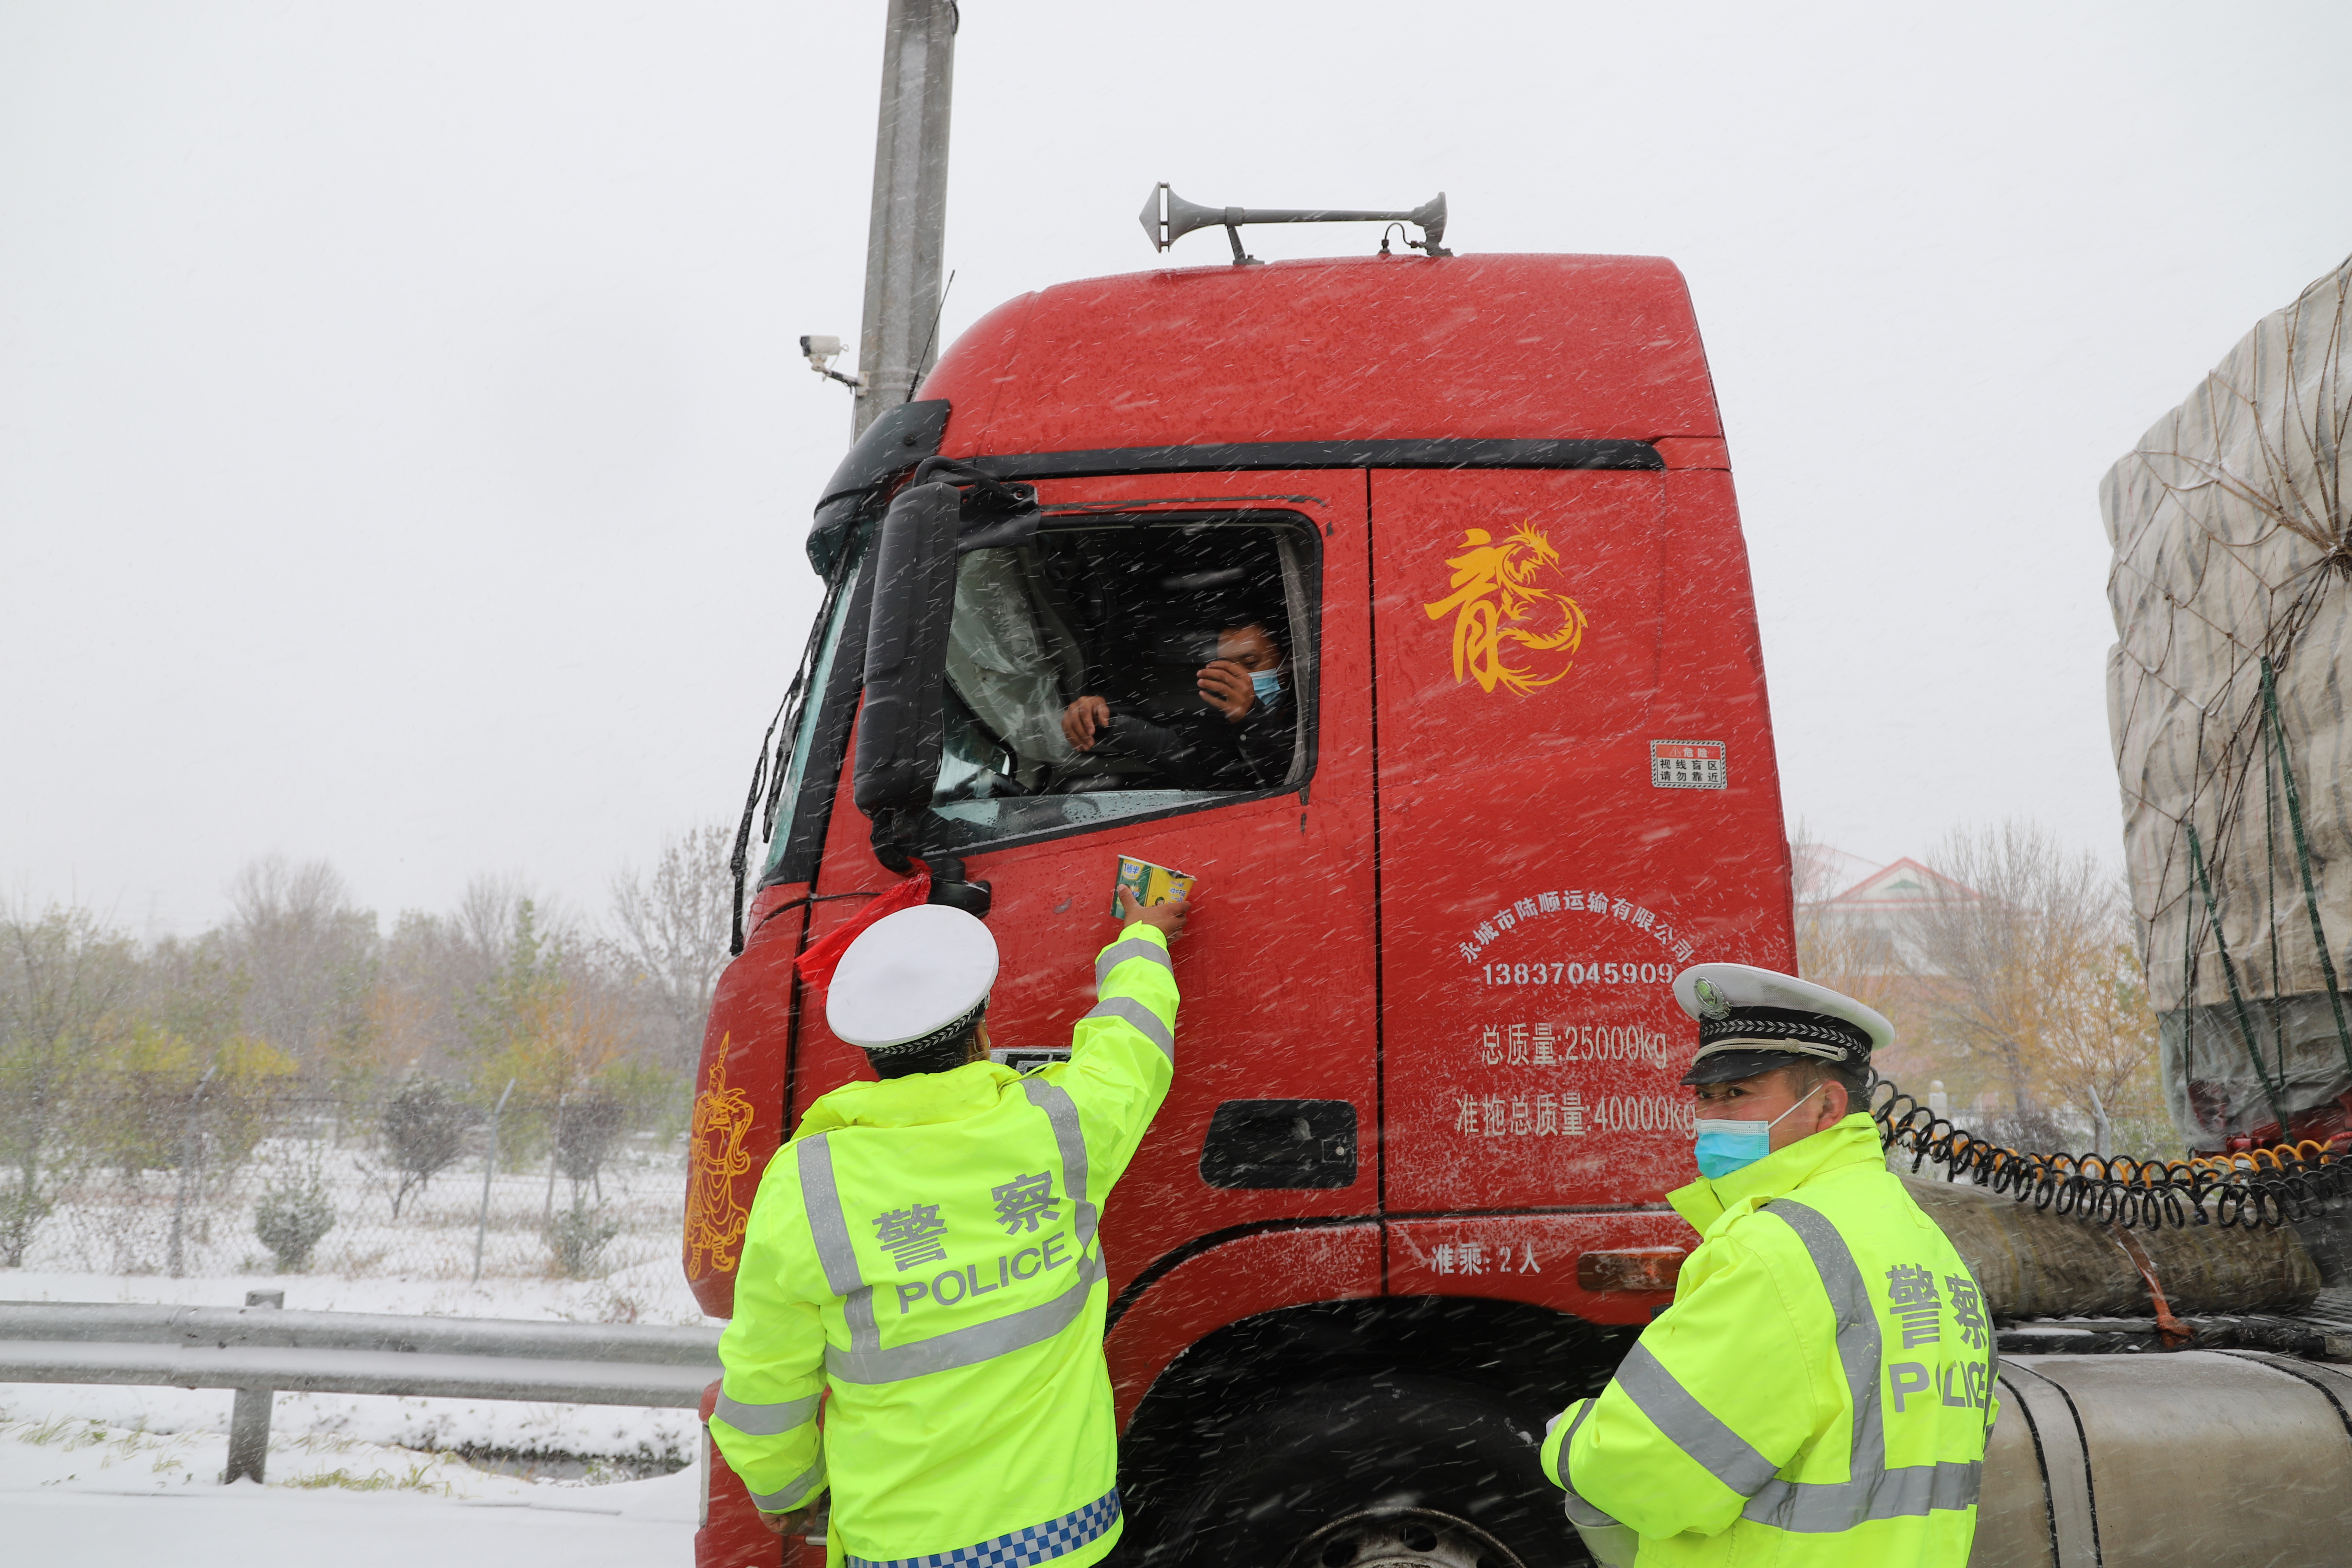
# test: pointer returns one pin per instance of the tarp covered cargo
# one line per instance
(2231, 560)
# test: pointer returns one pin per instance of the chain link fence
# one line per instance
(419, 1185)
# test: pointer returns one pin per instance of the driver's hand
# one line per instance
(1081, 719)
(1167, 917)
(1225, 686)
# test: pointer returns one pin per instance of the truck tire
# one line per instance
(1387, 1471)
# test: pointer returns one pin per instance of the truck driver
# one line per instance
(1821, 1389)
(1240, 737)
(924, 1251)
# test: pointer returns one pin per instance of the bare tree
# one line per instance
(672, 933)
(435, 968)
(307, 952)
(485, 922)
(2098, 1056)
(2031, 977)
(62, 976)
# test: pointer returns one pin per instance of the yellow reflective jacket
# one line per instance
(1818, 1393)
(925, 1250)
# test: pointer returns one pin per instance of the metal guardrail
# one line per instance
(260, 1348)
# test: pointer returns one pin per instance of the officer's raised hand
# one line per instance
(1167, 918)
(801, 1521)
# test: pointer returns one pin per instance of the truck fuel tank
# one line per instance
(2033, 1263)
(2121, 1461)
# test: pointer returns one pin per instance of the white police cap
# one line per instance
(912, 980)
(1753, 1020)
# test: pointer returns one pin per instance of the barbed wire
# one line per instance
(2259, 1188)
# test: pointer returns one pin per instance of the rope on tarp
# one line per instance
(2270, 1091)
(2302, 862)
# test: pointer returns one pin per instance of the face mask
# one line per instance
(1268, 684)
(1725, 1146)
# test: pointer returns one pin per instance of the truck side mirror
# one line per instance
(901, 728)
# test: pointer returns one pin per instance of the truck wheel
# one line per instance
(1390, 1471)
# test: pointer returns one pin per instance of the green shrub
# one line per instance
(585, 1131)
(423, 1127)
(290, 1219)
(658, 1102)
(577, 1237)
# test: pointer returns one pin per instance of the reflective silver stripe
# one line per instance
(1870, 1490)
(1579, 1512)
(1857, 1327)
(1063, 1112)
(1119, 953)
(1138, 1014)
(1690, 1426)
(765, 1420)
(794, 1492)
(1908, 1491)
(821, 1197)
(972, 1345)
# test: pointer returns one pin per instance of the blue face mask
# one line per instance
(1268, 684)
(1725, 1146)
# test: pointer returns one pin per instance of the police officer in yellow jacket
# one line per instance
(925, 1253)
(1820, 1391)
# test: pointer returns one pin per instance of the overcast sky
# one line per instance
(405, 457)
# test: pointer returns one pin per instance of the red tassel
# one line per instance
(817, 965)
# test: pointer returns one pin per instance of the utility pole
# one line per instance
(906, 234)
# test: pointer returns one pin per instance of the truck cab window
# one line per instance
(799, 800)
(1124, 667)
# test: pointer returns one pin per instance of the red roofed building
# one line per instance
(1868, 938)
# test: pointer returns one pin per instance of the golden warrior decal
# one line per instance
(1495, 594)
(715, 1216)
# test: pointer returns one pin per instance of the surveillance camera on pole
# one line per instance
(821, 352)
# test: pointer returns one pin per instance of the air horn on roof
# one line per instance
(1168, 218)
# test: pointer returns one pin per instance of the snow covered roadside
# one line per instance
(93, 1475)
(83, 1493)
(651, 1292)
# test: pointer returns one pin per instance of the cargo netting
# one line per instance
(2229, 718)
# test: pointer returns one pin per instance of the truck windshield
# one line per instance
(799, 799)
(1126, 666)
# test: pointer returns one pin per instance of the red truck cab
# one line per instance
(1404, 1200)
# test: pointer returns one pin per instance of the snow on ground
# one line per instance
(94, 1495)
(116, 1222)
(651, 1292)
(95, 1475)
(107, 1242)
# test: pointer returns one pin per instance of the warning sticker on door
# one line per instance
(1687, 764)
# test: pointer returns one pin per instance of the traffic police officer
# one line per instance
(925, 1251)
(1819, 1392)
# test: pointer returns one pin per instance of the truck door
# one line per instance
(1576, 798)
(1122, 594)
